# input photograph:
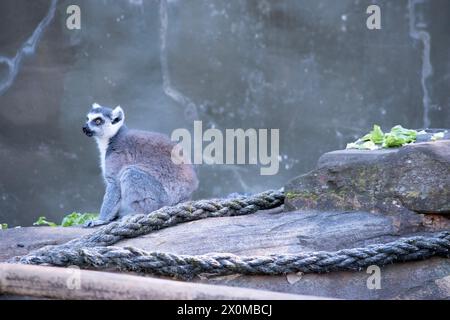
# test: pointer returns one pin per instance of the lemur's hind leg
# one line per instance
(141, 192)
(110, 206)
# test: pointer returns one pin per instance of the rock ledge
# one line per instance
(412, 178)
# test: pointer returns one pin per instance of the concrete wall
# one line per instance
(308, 67)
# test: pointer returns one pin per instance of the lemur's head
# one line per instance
(103, 122)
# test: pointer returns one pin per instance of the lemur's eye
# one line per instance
(98, 121)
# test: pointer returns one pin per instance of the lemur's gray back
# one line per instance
(151, 153)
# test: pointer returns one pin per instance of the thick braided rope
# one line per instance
(186, 267)
(141, 224)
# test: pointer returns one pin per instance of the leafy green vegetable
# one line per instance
(376, 139)
(42, 221)
(399, 130)
(353, 145)
(3, 226)
(367, 145)
(376, 135)
(393, 141)
(399, 136)
(75, 219)
(438, 136)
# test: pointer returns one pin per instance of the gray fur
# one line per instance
(138, 170)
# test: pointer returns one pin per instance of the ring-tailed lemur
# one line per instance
(137, 167)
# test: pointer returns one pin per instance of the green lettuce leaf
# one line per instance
(375, 139)
(76, 219)
(42, 221)
(376, 135)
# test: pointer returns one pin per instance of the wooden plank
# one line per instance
(70, 283)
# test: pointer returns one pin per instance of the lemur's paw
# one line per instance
(94, 223)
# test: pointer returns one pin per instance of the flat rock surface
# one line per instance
(273, 231)
(20, 241)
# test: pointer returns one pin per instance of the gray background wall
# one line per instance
(308, 67)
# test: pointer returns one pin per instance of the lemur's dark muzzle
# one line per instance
(87, 131)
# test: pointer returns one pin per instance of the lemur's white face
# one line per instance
(102, 122)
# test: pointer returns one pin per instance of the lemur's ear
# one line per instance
(117, 115)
